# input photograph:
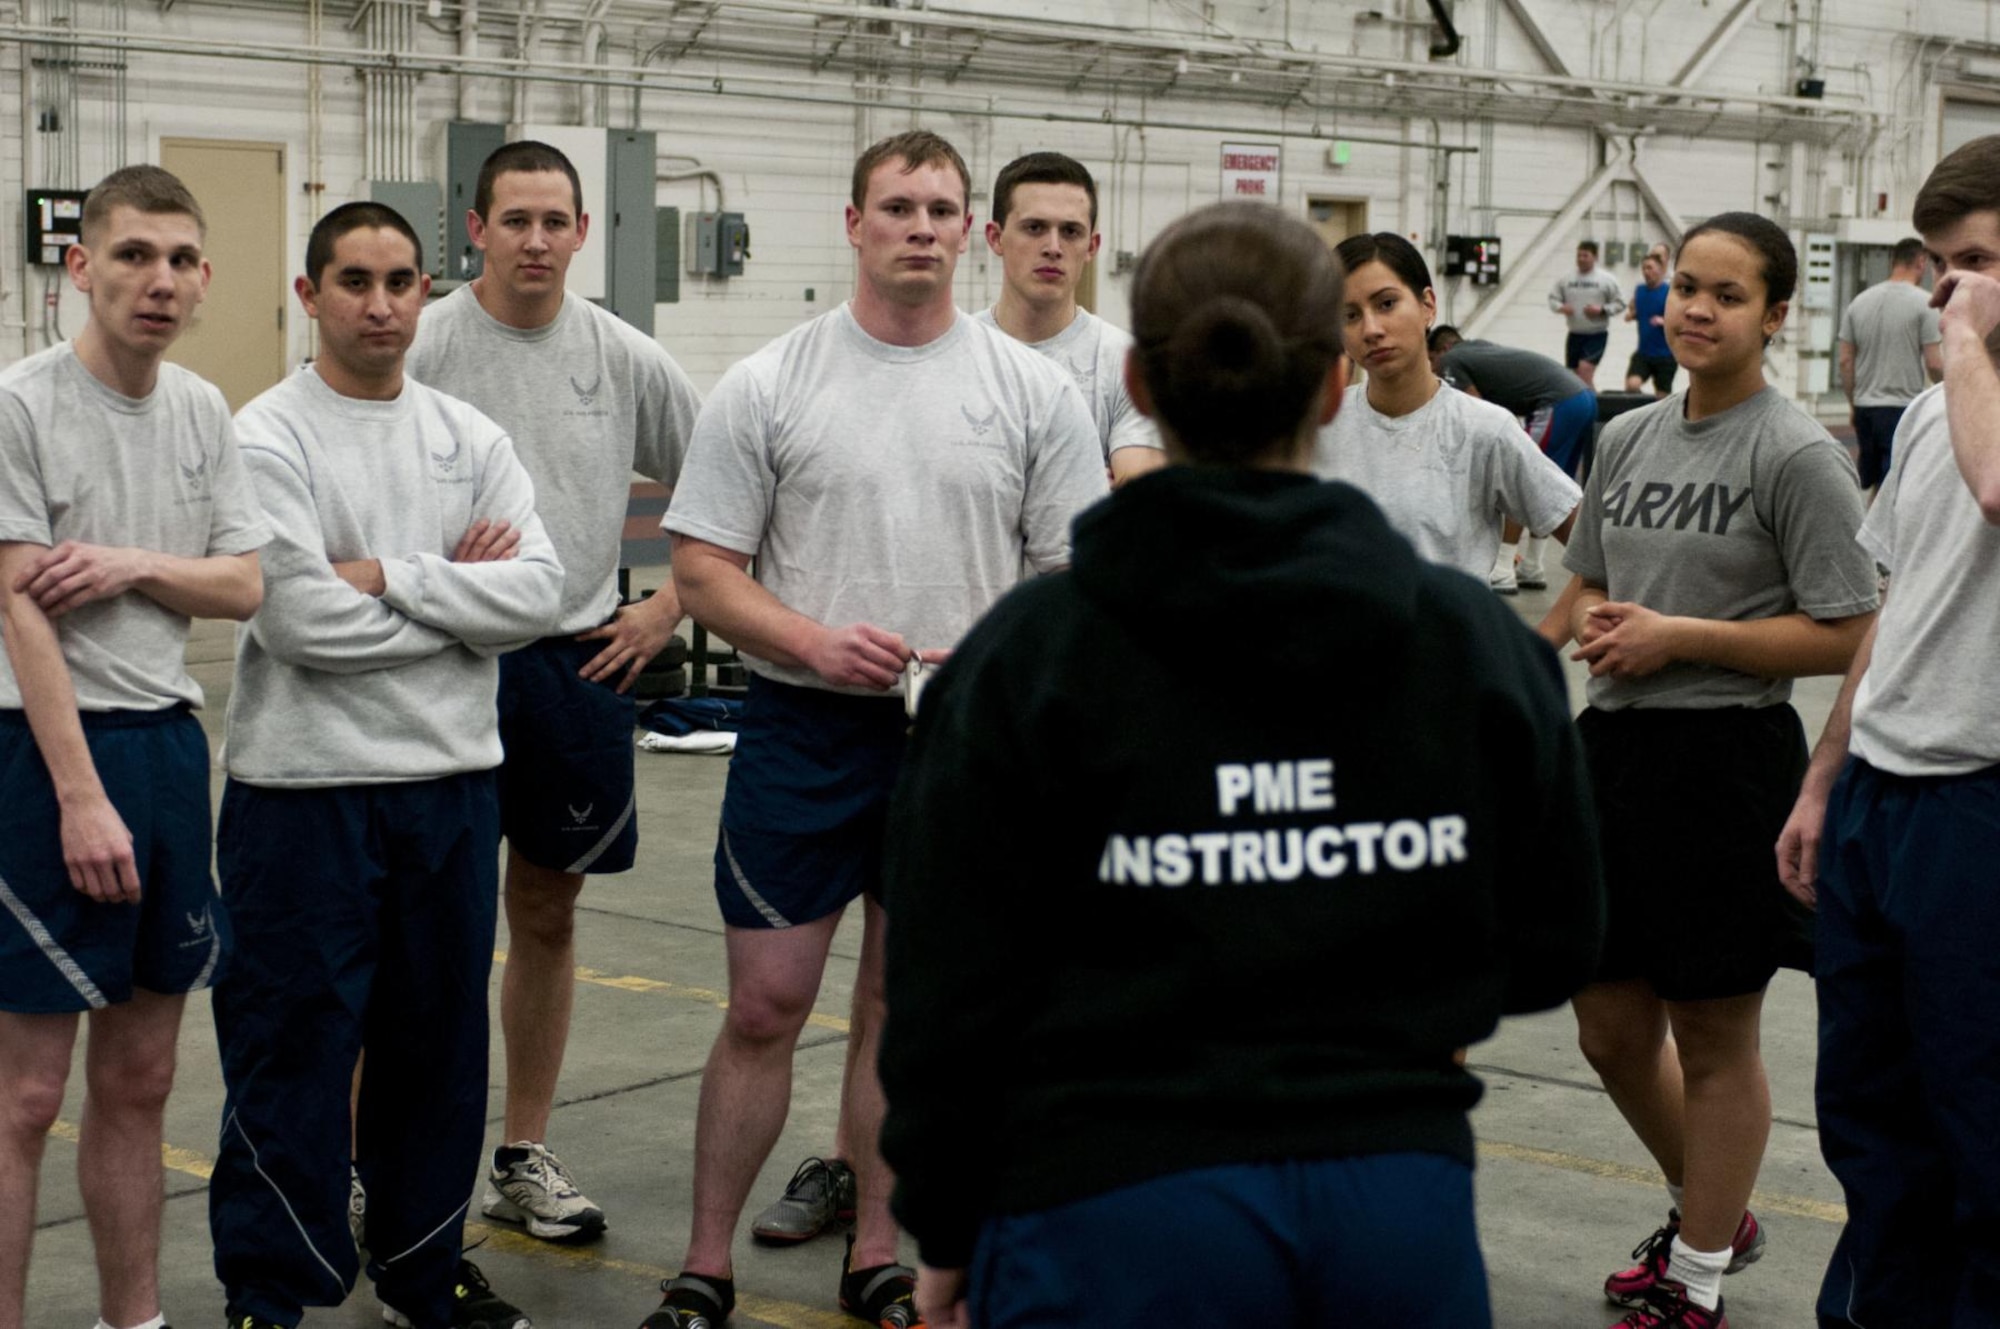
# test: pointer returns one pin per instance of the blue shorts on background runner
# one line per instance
(61, 951)
(1584, 348)
(566, 800)
(805, 809)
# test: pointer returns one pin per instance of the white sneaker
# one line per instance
(1528, 574)
(1501, 578)
(528, 1185)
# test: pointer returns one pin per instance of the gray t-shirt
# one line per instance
(336, 687)
(1521, 381)
(1581, 289)
(79, 461)
(1745, 515)
(1928, 704)
(894, 485)
(1447, 475)
(1888, 325)
(1093, 352)
(588, 399)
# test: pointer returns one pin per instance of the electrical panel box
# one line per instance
(667, 256)
(55, 222)
(1474, 256)
(467, 145)
(421, 204)
(718, 243)
(1819, 274)
(628, 225)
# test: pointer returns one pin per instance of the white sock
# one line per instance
(1700, 1272)
(1532, 556)
(1503, 562)
(157, 1322)
(1675, 1193)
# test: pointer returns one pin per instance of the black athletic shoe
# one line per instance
(237, 1320)
(885, 1295)
(693, 1301)
(474, 1304)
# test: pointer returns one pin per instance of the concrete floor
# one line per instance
(1564, 1189)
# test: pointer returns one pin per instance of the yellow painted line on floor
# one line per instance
(707, 996)
(783, 1314)
(1770, 1202)
(175, 1159)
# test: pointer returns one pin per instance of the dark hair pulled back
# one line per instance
(1236, 312)
(1777, 261)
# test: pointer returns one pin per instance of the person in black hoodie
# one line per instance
(1176, 976)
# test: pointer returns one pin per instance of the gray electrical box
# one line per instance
(667, 256)
(467, 146)
(630, 237)
(421, 204)
(718, 244)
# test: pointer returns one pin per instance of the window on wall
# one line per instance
(1967, 117)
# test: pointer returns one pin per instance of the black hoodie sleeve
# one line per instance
(962, 840)
(1551, 893)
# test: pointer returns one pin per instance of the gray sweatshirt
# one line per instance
(336, 687)
(1581, 289)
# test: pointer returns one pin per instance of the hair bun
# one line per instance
(1233, 337)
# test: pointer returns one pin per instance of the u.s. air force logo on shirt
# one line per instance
(194, 484)
(980, 429)
(587, 393)
(447, 467)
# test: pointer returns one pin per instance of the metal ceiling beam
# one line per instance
(1536, 37)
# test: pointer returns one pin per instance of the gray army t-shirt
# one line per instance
(79, 461)
(1888, 325)
(1447, 475)
(1093, 352)
(1928, 704)
(1744, 515)
(588, 399)
(900, 486)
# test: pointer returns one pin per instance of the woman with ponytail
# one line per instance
(1449, 470)
(1174, 985)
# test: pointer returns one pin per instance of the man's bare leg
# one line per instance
(128, 1072)
(865, 1105)
(36, 1051)
(537, 990)
(746, 1090)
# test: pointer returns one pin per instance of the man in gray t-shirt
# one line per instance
(124, 512)
(890, 466)
(1044, 230)
(1587, 299)
(1895, 835)
(588, 399)
(1888, 354)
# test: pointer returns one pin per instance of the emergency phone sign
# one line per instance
(1250, 170)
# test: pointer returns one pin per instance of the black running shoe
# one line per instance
(474, 1304)
(693, 1301)
(884, 1295)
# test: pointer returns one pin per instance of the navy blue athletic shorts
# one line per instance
(807, 803)
(60, 950)
(1875, 431)
(566, 782)
(1582, 347)
(1689, 807)
(1376, 1241)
